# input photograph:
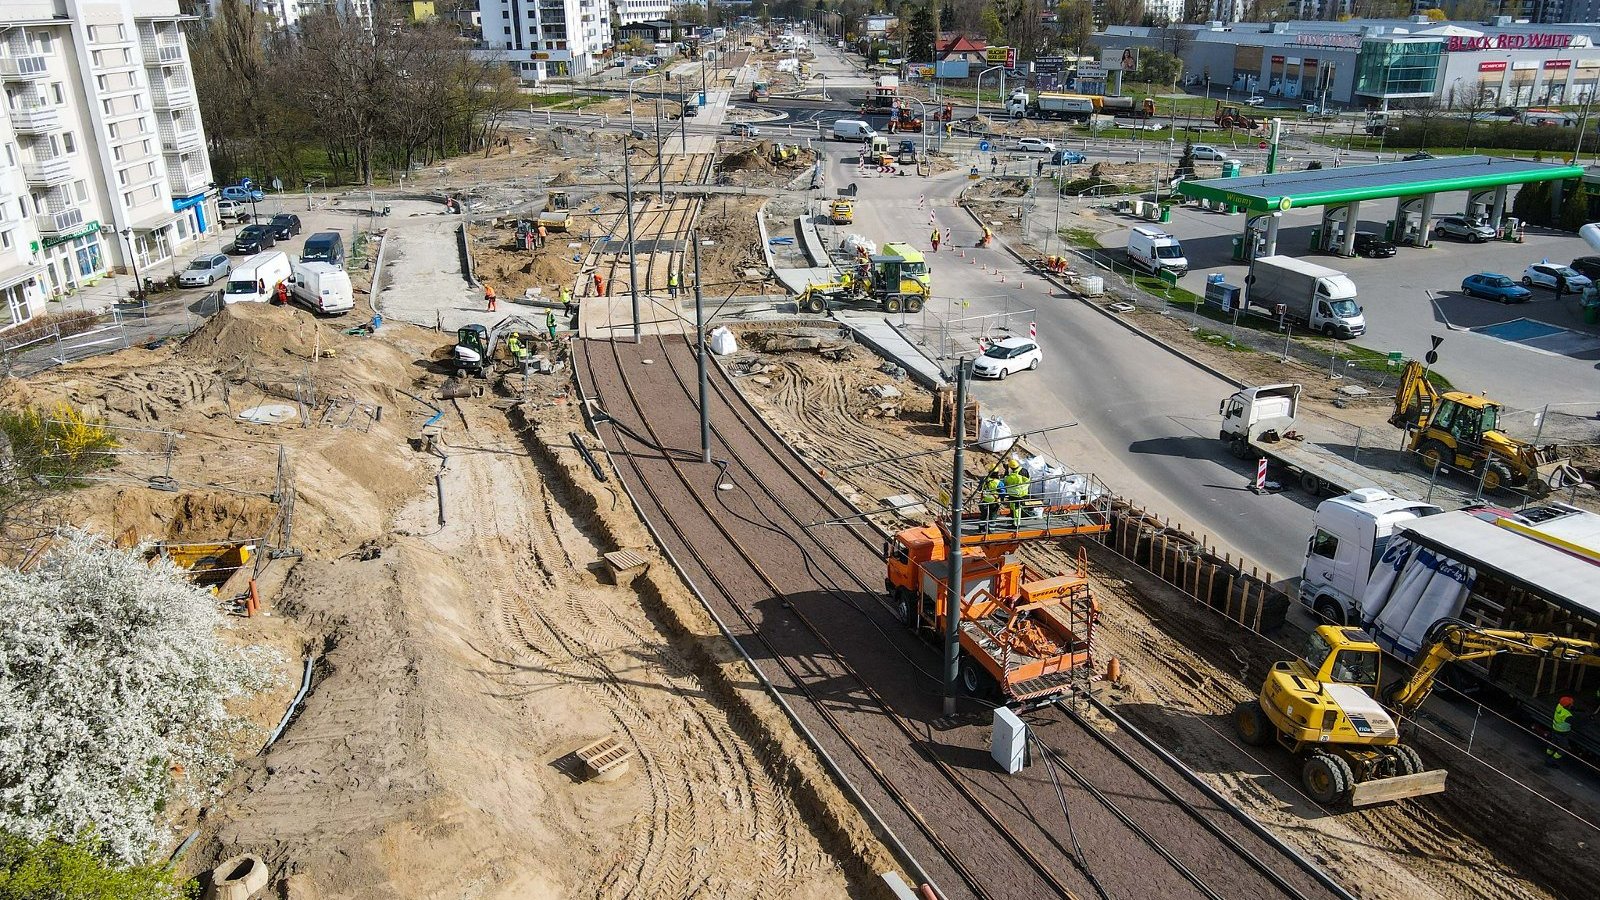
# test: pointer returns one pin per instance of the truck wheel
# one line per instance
(1252, 724)
(905, 608)
(1329, 611)
(1327, 329)
(976, 680)
(1327, 778)
(1239, 448)
(1496, 476)
(1310, 483)
(891, 304)
(1434, 454)
(913, 304)
(1399, 763)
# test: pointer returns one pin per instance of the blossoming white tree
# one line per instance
(113, 678)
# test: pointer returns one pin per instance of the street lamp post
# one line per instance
(631, 83)
(978, 113)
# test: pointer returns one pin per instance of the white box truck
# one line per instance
(853, 130)
(1153, 250)
(256, 279)
(323, 287)
(1311, 296)
(1049, 105)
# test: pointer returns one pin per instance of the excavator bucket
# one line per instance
(1383, 790)
(1414, 398)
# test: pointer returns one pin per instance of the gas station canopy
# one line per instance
(1330, 186)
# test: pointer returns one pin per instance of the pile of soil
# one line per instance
(757, 157)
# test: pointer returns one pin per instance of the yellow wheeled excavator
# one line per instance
(1461, 431)
(1324, 707)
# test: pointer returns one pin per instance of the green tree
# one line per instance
(1574, 205)
(1186, 161)
(919, 34)
(994, 31)
(54, 870)
(1075, 18)
(1159, 67)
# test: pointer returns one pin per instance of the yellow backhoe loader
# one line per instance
(1462, 431)
(1324, 706)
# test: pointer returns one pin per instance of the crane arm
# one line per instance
(1452, 640)
(1415, 398)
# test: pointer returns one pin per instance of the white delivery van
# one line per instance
(256, 279)
(1152, 249)
(323, 287)
(852, 130)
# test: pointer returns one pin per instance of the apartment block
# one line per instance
(288, 13)
(630, 11)
(104, 160)
(546, 38)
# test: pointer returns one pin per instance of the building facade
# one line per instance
(547, 38)
(288, 13)
(104, 163)
(1376, 64)
(630, 11)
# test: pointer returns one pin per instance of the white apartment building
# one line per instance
(547, 38)
(104, 159)
(630, 11)
(290, 12)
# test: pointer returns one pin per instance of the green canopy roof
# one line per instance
(1346, 184)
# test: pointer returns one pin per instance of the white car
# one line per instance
(1036, 145)
(1208, 152)
(1257, 100)
(232, 209)
(1010, 355)
(205, 270)
(1545, 274)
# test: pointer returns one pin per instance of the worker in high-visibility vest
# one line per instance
(1560, 730)
(989, 497)
(934, 240)
(515, 347)
(1016, 484)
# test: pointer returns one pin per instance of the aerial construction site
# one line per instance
(642, 532)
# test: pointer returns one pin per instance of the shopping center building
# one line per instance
(1379, 63)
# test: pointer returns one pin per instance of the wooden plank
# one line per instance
(1397, 788)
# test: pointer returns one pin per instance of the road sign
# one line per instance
(1431, 357)
(984, 146)
(1050, 64)
(1261, 146)
(1092, 72)
(1167, 275)
(1436, 340)
(247, 184)
(1250, 279)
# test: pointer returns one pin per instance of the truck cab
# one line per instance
(913, 267)
(1348, 537)
(1253, 411)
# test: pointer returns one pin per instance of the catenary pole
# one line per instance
(633, 266)
(953, 594)
(700, 337)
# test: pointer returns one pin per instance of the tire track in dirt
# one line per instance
(712, 809)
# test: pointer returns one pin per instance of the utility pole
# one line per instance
(953, 596)
(700, 339)
(633, 266)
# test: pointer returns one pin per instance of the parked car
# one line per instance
(204, 270)
(243, 194)
(1494, 286)
(1010, 355)
(1420, 154)
(1547, 275)
(284, 226)
(639, 68)
(1208, 152)
(1257, 100)
(1460, 228)
(744, 129)
(1067, 158)
(1588, 267)
(1036, 145)
(233, 209)
(1315, 110)
(1373, 247)
(253, 239)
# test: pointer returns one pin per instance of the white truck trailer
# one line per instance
(1306, 294)
(1048, 105)
(1260, 423)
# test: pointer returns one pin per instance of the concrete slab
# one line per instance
(424, 283)
(607, 318)
(878, 333)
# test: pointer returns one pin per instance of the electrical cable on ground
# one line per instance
(1078, 857)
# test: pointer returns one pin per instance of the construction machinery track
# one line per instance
(1096, 816)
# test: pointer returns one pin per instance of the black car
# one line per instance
(253, 239)
(1588, 267)
(1373, 247)
(284, 226)
(1420, 154)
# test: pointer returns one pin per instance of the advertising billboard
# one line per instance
(1124, 60)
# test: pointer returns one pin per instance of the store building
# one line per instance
(1365, 64)
(102, 155)
(546, 38)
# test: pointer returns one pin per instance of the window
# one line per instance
(80, 189)
(58, 92)
(5, 239)
(1356, 667)
(1324, 544)
(1316, 650)
(69, 141)
(116, 153)
(44, 42)
(508, 29)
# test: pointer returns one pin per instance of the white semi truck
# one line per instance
(1048, 105)
(1306, 294)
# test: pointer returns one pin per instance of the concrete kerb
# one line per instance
(1175, 351)
(376, 288)
(466, 254)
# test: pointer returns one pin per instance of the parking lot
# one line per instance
(1526, 355)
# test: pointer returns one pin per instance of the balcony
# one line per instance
(34, 116)
(47, 170)
(187, 181)
(180, 140)
(157, 53)
(171, 93)
(23, 68)
(59, 222)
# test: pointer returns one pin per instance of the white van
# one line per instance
(1152, 249)
(256, 279)
(323, 287)
(853, 130)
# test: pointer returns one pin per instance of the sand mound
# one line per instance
(563, 178)
(757, 158)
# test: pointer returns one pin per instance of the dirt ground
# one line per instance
(459, 664)
(1184, 668)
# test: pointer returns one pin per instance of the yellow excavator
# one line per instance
(1461, 431)
(1324, 707)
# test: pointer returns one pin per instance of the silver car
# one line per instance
(1463, 229)
(204, 270)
